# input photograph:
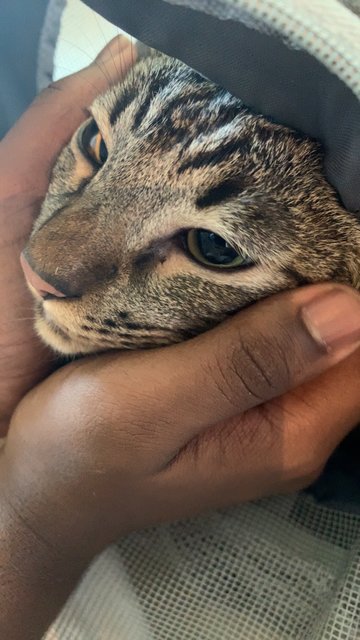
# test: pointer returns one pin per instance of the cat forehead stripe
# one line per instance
(155, 86)
(128, 95)
(167, 91)
(221, 193)
(216, 156)
(162, 85)
(130, 92)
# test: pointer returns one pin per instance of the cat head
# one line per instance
(172, 207)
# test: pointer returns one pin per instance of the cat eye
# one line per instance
(212, 250)
(92, 143)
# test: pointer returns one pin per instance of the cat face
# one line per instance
(172, 207)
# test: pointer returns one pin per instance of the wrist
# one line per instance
(37, 577)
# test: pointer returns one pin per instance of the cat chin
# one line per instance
(60, 342)
(64, 344)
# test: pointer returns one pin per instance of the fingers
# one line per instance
(171, 395)
(278, 448)
(31, 147)
(323, 412)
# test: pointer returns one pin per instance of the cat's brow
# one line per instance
(185, 83)
(216, 156)
(127, 96)
(221, 192)
(192, 105)
(160, 81)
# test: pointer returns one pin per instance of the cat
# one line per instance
(173, 206)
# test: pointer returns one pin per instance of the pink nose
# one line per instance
(42, 287)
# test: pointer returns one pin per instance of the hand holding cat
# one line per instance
(27, 154)
(122, 441)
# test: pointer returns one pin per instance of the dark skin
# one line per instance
(115, 443)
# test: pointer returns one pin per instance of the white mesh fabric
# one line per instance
(278, 569)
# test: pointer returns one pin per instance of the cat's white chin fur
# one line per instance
(61, 342)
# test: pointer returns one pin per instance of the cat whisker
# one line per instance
(100, 64)
(68, 71)
(76, 46)
(101, 67)
(106, 42)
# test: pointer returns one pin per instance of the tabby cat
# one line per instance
(172, 207)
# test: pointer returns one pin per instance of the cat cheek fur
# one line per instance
(182, 153)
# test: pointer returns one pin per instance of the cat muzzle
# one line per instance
(41, 287)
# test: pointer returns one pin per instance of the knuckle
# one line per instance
(226, 382)
(305, 453)
(256, 364)
(57, 85)
(250, 436)
(53, 87)
(254, 368)
(304, 473)
(68, 99)
(274, 364)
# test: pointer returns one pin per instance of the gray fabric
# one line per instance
(286, 84)
(20, 26)
(47, 43)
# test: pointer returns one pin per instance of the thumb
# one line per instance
(171, 395)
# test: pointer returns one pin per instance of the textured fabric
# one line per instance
(324, 28)
(312, 85)
(20, 27)
(279, 569)
(286, 568)
(47, 44)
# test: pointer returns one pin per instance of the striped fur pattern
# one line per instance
(183, 153)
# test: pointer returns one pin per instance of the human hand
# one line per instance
(27, 155)
(122, 441)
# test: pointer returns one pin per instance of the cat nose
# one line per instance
(43, 288)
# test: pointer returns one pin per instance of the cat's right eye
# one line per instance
(92, 143)
(212, 250)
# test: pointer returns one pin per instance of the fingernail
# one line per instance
(333, 319)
